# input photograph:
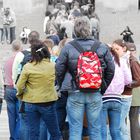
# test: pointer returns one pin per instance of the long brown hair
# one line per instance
(116, 56)
(121, 43)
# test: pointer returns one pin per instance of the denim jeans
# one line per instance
(61, 114)
(77, 104)
(111, 110)
(32, 116)
(13, 112)
(126, 103)
(24, 130)
(44, 134)
(61, 110)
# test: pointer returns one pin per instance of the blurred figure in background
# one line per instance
(135, 87)
(7, 20)
(1, 26)
(10, 93)
(24, 35)
(127, 35)
(12, 26)
(1, 89)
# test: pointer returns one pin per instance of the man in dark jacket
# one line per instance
(90, 101)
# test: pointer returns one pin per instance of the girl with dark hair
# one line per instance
(112, 98)
(126, 98)
(36, 88)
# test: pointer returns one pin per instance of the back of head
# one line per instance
(82, 28)
(39, 51)
(63, 42)
(76, 13)
(47, 13)
(120, 42)
(131, 46)
(49, 43)
(16, 45)
(33, 36)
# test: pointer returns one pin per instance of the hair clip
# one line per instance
(39, 50)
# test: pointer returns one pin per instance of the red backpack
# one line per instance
(89, 71)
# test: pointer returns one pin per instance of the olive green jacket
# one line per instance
(36, 82)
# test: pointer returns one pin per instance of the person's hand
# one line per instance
(129, 86)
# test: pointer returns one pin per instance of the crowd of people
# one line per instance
(54, 91)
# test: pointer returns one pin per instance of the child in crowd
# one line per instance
(54, 50)
(55, 53)
(126, 98)
(135, 87)
(53, 36)
(49, 43)
(112, 97)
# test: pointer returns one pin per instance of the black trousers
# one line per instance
(134, 122)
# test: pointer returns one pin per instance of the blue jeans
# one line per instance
(77, 104)
(24, 130)
(32, 116)
(44, 134)
(13, 112)
(126, 104)
(61, 114)
(111, 110)
(61, 110)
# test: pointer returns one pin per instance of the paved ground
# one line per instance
(4, 129)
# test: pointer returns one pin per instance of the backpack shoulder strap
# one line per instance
(77, 46)
(25, 52)
(95, 46)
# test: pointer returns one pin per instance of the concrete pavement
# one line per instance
(4, 129)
